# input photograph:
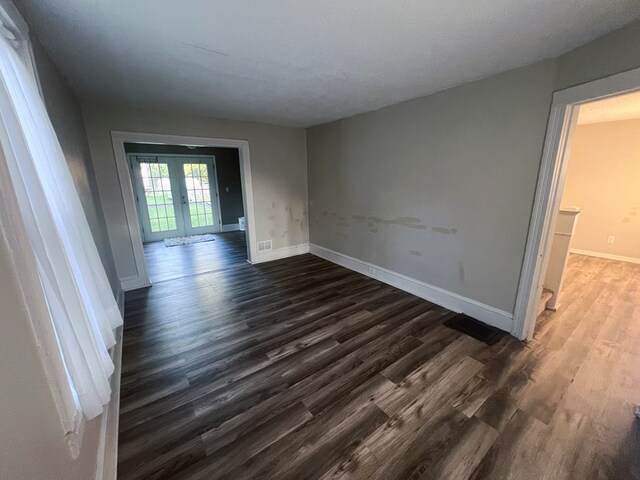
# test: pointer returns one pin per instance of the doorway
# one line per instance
(546, 210)
(176, 195)
(243, 247)
(190, 208)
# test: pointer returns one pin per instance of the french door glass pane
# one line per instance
(196, 178)
(158, 196)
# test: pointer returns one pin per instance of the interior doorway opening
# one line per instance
(596, 239)
(555, 219)
(189, 202)
(141, 277)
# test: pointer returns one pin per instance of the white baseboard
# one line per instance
(605, 255)
(452, 301)
(279, 253)
(232, 227)
(107, 459)
(133, 283)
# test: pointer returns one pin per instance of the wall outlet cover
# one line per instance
(265, 245)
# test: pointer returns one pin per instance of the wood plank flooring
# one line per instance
(167, 263)
(302, 369)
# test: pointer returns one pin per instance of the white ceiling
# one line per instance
(301, 63)
(621, 107)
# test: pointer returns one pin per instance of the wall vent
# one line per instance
(264, 246)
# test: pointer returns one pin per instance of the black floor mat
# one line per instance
(476, 329)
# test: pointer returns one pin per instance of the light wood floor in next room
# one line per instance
(302, 369)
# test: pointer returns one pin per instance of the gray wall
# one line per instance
(278, 168)
(228, 169)
(441, 188)
(33, 445)
(227, 173)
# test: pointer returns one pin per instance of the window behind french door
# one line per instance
(176, 195)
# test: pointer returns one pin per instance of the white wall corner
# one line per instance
(120, 301)
(278, 253)
(452, 301)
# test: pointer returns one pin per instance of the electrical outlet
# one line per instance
(264, 246)
(611, 239)
(372, 271)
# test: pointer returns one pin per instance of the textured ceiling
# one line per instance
(621, 107)
(303, 62)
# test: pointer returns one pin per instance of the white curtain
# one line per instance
(81, 305)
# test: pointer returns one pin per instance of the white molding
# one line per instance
(452, 301)
(562, 121)
(107, 456)
(133, 283)
(231, 227)
(126, 188)
(120, 301)
(608, 256)
(279, 253)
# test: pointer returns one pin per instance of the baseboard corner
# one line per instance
(133, 283)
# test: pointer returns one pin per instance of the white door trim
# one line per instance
(562, 122)
(141, 279)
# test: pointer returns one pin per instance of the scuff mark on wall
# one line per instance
(359, 218)
(447, 231)
(342, 224)
(461, 272)
(373, 230)
(415, 252)
(271, 217)
(409, 222)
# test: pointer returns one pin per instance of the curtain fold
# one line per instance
(82, 308)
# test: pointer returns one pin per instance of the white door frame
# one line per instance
(126, 187)
(562, 122)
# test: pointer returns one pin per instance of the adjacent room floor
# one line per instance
(167, 263)
(302, 369)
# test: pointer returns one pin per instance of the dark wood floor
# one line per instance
(167, 263)
(301, 369)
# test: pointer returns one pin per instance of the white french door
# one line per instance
(176, 195)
